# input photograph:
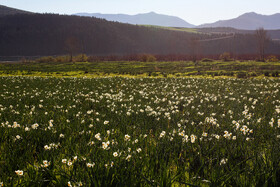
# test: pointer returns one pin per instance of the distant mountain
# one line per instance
(151, 18)
(11, 11)
(249, 21)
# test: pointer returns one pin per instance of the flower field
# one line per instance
(139, 132)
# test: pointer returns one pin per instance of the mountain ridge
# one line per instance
(248, 21)
(150, 18)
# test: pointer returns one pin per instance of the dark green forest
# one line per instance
(11, 11)
(51, 34)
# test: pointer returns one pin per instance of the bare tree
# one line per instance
(72, 46)
(262, 41)
(194, 43)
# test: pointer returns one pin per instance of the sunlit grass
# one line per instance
(138, 69)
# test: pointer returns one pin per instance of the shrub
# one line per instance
(266, 74)
(80, 58)
(93, 59)
(207, 60)
(275, 74)
(253, 74)
(45, 59)
(225, 57)
(148, 58)
(164, 74)
(62, 59)
(272, 58)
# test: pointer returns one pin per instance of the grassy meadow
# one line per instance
(114, 131)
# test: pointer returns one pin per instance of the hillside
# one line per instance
(273, 34)
(151, 18)
(11, 11)
(249, 21)
(49, 34)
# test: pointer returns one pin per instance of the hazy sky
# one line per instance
(193, 11)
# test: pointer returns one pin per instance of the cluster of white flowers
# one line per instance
(69, 162)
(15, 125)
(126, 137)
(227, 135)
(193, 138)
(69, 184)
(51, 146)
(97, 136)
(90, 165)
(162, 134)
(105, 145)
(223, 161)
(45, 164)
(19, 172)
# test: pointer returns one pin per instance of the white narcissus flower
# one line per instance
(18, 137)
(69, 163)
(193, 138)
(162, 134)
(223, 161)
(64, 161)
(126, 137)
(45, 164)
(115, 154)
(90, 165)
(69, 184)
(19, 172)
(105, 145)
(128, 157)
(46, 147)
(35, 126)
(97, 136)
(204, 134)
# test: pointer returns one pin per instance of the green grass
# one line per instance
(125, 68)
(192, 30)
(235, 124)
